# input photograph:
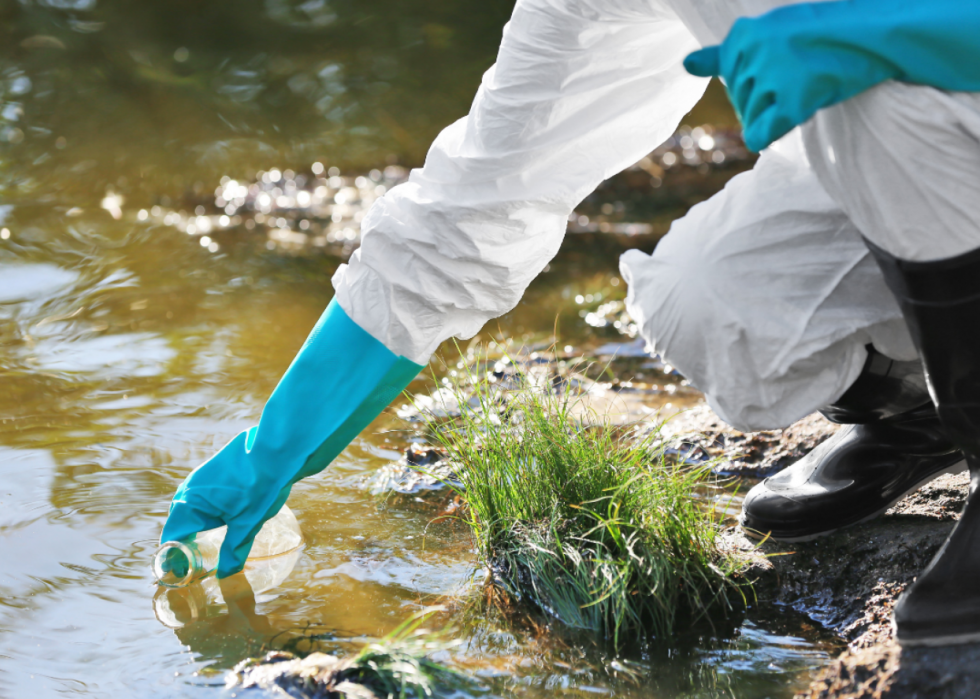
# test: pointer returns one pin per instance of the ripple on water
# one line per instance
(27, 282)
(26, 477)
(125, 354)
(423, 575)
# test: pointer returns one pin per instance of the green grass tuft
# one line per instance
(398, 666)
(595, 527)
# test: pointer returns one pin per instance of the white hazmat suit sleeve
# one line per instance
(581, 89)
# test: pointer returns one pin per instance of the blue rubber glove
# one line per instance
(339, 382)
(783, 66)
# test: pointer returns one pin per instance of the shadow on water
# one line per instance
(129, 351)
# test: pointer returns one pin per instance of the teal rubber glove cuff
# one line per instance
(782, 67)
(339, 382)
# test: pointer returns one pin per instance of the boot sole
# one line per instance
(958, 467)
(935, 641)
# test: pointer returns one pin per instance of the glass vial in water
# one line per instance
(179, 563)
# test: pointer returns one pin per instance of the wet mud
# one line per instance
(887, 670)
(848, 581)
(701, 435)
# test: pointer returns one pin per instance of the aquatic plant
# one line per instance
(398, 666)
(587, 521)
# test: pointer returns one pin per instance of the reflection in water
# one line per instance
(126, 354)
(24, 282)
(220, 622)
(176, 607)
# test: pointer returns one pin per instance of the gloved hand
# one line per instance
(339, 382)
(783, 66)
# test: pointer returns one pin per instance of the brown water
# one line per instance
(129, 351)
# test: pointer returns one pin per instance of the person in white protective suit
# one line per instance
(793, 290)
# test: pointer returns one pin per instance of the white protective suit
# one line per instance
(764, 296)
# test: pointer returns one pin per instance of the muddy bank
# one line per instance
(889, 671)
(700, 435)
(849, 581)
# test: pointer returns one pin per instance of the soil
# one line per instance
(850, 580)
(703, 435)
(886, 670)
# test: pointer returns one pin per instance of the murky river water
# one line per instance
(130, 350)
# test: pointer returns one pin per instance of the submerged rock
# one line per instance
(421, 469)
(317, 676)
(400, 664)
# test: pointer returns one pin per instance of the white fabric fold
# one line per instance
(581, 89)
(765, 296)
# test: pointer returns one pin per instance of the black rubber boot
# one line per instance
(941, 304)
(893, 445)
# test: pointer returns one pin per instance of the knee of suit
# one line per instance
(671, 297)
(729, 303)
